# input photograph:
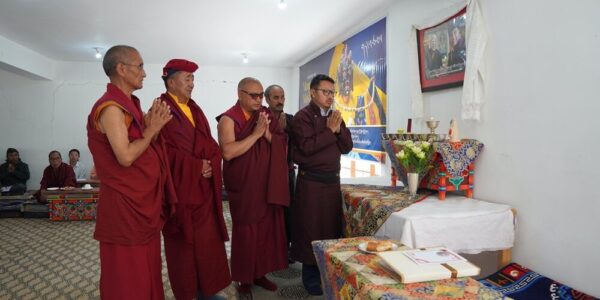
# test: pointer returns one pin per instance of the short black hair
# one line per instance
(115, 55)
(10, 151)
(314, 83)
(74, 150)
(269, 88)
(54, 151)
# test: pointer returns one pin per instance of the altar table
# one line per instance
(462, 224)
(347, 273)
(72, 205)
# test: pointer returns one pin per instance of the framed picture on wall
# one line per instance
(442, 53)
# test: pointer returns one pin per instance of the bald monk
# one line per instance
(137, 193)
(195, 237)
(255, 173)
(56, 175)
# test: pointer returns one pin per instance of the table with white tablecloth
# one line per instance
(465, 225)
(462, 224)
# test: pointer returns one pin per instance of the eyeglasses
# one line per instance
(255, 96)
(327, 92)
(140, 66)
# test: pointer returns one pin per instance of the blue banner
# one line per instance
(359, 67)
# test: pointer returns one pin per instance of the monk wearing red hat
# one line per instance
(195, 237)
(137, 193)
(255, 172)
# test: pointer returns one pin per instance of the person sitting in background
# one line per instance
(13, 174)
(79, 169)
(57, 175)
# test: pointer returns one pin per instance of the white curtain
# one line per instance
(476, 39)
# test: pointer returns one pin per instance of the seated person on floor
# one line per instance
(13, 174)
(79, 168)
(57, 175)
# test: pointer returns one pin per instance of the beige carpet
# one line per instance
(40, 259)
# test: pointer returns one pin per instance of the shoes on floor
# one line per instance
(311, 279)
(213, 297)
(265, 283)
(314, 290)
(245, 291)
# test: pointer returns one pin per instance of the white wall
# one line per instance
(539, 125)
(37, 116)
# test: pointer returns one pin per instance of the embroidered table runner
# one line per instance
(456, 157)
(366, 207)
(347, 273)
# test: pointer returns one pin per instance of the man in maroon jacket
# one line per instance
(195, 237)
(320, 137)
(136, 194)
(255, 173)
(57, 174)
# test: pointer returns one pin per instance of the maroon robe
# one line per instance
(257, 188)
(133, 202)
(317, 206)
(195, 235)
(61, 177)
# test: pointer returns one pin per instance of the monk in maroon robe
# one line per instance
(255, 173)
(195, 237)
(136, 195)
(320, 137)
(57, 174)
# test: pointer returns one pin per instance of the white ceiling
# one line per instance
(209, 32)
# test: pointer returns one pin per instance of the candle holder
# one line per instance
(432, 125)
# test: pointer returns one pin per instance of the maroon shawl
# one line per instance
(259, 177)
(134, 201)
(187, 146)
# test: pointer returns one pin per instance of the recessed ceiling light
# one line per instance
(98, 54)
(245, 58)
(282, 5)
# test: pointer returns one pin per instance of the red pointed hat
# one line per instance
(175, 65)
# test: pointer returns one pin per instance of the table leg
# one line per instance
(505, 257)
(470, 181)
(442, 186)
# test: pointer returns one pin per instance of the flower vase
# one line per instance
(413, 183)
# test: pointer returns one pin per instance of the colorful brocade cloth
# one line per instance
(366, 207)
(73, 207)
(347, 273)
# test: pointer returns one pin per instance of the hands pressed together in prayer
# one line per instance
(262, 126)
(158, 115)
(282, 121)
(334, 121)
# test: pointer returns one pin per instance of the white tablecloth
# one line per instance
(462, 224)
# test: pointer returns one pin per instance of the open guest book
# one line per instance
(427, 264)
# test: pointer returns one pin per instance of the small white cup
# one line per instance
(87, 186)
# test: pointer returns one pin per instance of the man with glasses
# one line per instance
(195, 237)
(319, 137)
(57, 175)
(255, 172)
(137, 193)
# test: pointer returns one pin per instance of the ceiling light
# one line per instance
(98, 54)
(245, 58)
(282, 4)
